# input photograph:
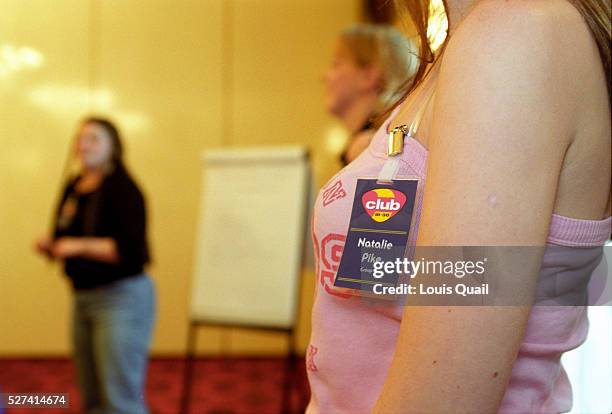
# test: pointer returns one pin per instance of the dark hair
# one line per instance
(596, 14)
(113, 133)
(418, 12)
(117, 167)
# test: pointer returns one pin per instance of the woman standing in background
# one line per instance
(369, 67)
(100, 235)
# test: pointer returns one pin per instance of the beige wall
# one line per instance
(179, 76)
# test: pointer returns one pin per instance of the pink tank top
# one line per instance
(351, 345)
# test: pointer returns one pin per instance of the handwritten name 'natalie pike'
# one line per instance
(384, 244)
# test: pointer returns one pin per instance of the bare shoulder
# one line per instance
(528, 73)
(534, 50)
(512, 14)
(550, 31)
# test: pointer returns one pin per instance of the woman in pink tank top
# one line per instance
(513, 151)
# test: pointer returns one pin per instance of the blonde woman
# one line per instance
(369, 66)
(513, 150)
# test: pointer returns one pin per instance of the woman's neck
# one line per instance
(90, 179)
(95, 171)
(356, 115)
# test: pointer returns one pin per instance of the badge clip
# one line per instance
(395, 147)
(396, 140)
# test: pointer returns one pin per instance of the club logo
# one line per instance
(383, 203)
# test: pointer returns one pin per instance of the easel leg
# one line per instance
(188, 370)
(290, 368)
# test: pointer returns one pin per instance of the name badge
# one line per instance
(380, 230)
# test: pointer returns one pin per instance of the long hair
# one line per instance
(69, 177)
(386, 48)
(596, 14)
(418, 11)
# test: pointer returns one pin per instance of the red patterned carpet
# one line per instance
(220, 386)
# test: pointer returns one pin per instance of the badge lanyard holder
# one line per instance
(381, 228)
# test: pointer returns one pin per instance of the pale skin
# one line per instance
(513, 137)
(359, 142)
(94, 152)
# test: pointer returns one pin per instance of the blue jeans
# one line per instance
(111, 337)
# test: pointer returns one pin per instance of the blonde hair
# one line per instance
(387, 49)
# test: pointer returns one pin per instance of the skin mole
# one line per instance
(492, 200)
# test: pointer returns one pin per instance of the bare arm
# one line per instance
(499, 135)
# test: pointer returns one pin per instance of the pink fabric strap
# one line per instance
(566, 231)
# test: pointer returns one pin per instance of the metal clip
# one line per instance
(396, 140)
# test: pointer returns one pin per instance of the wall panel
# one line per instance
(162, 61)
(43, 90)
(179, 77)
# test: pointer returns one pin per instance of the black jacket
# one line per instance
(117, 210)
